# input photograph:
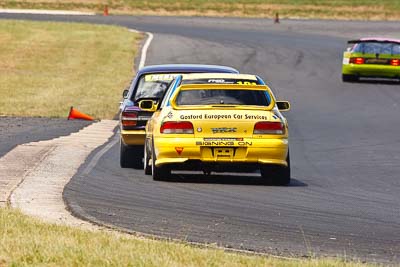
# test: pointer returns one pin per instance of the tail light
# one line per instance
(395, 62)
(357, 60)
(129, 118)
(267, 127)
(177, 127)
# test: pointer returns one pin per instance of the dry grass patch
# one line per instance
(47, 67)
(333, 9)
(28, 242)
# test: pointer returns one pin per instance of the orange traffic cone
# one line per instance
(105, 12)
(75, 114)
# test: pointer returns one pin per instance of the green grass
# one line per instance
(325, 9)
(28, 242)
(47, 67)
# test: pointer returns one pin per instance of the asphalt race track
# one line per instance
(21, 130)
(344, 143)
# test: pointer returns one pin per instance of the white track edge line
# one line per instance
(144, 50)
(99, 154)
(47, 12)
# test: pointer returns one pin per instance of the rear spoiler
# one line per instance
(373, 41)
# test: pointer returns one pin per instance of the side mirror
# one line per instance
(348, 49)
(125, 93)
(148, 105)
(283, 105)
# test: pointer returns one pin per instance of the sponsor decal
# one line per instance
(222, 139)
(255, 117)
(159, 77)
(214, 116)
(216, 81)
(224, 143)
(228, 81)
(224, 130)
(217, 116)
(223, 81)
(179, 150)
(191, 117)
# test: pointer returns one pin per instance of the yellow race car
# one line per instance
(150, 83)
(228, 122)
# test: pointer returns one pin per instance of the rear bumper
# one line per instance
(370, 70)
(252, 153)
(133, 137)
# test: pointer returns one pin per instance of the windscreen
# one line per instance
(377, 48)
(153, 85)
(222, 97)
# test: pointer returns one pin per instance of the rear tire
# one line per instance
(161, 173)
(131, 156)
(276, 174)
(349, 78)
(146, 159)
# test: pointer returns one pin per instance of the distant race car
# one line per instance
(373, 58)
(150, 83)
(220, 123)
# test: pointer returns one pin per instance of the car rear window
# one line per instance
(377, 48)
(153, 85)
(222, 97)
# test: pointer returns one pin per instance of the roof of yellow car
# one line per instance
(219, 76)
(223, 86)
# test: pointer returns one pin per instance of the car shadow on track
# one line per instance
(378, 81)
(234, 179)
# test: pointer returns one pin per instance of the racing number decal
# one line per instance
(246, 83)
